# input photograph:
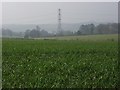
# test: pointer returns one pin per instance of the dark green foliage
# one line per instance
(59, 63)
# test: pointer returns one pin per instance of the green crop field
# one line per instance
(90, 61)
(0, 63)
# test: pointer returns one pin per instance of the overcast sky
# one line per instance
(46, 13)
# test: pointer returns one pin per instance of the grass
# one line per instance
(62, 63)
(104, 37)
(0, 63)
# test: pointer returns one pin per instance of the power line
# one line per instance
(59, 22)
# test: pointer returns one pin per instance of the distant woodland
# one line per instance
(85, 29)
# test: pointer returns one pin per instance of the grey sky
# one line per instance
(0, 13)
(46, 13)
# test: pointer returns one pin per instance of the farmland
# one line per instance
(68, 62)
(0, 63)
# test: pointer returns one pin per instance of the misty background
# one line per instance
(21, 16)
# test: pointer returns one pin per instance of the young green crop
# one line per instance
(59, 63)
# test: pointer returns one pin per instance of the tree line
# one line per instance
(89, 29)
(85, 29)
(36, 32)
(9, 33)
